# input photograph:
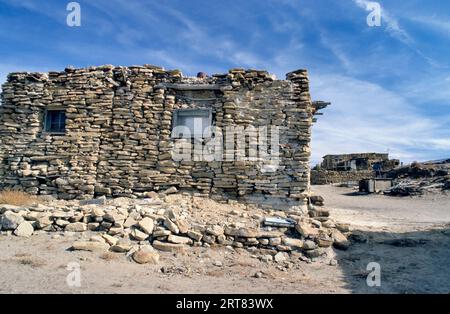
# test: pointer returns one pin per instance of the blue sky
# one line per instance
(389, 85)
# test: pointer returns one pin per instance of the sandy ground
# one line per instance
(408, 237)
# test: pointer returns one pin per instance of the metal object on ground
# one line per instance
(374, 185)
(279, 222)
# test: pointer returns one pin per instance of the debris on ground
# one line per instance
(173, 222)
(420, 178)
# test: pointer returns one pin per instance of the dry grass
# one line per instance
(31, 261)
(17, 198)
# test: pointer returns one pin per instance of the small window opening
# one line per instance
(192, 123)
(55, 121)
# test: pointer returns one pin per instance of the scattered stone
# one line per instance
(138, 234)
(145, 257)
(343, 227)
(169, 224)
(305, 230)
(194, 235)
(25, 229)
(313, 253)
(76, 227)
(169, 247)
(146, 225)
(215, 230)
(90, 246)
(110, 239)
(171, 190)
(182, 225)
(266, 258)
(218, 263)
(280, 257)
(309, 245)
(340, 240)
(295, 243)
(11, 220)
(179, 240)
(121, 246)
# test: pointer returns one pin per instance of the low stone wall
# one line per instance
(173, 223)
(321, 177)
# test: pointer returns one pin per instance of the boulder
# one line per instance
(169, 247)
(122, 246)
(25, 229)
(294, 243)
(169, 224)
(76, 227)
(280, 257)
(324, 241)
(90, 246)
(241, 232)
(138, 234)
(145, 257)
(179, 240)
(194, 235)
(11, 220)
(13, 208)
(305, 229)
(340, 240)
(170, 190)
(309, 245)
(215, 230)
(182, 225)
(147, 225)
(130, 221)
(110, 239)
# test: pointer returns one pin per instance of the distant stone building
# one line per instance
(112, 131)
(352, 167)
(358, 162)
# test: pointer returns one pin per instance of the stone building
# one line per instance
(352, 167)
(113, 131)
(358, 162)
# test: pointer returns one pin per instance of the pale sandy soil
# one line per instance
(418, 260)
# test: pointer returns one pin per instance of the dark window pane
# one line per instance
(55, 121)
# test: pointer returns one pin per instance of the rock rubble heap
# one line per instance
(173, 223)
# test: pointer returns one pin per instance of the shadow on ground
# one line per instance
(413, 262)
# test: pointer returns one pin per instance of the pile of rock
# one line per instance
(128, 226)
(418, 179)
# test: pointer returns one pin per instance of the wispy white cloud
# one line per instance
(367, 117)
(434, 22)
(393, 26)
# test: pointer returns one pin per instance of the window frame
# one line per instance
(191, 112)
(47, 122)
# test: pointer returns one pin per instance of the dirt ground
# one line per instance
(408, 237)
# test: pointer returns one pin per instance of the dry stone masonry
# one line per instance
(173, 223)
(115, 134)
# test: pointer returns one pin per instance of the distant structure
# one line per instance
(352, 167)
(359, 162)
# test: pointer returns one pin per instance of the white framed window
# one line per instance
(191, 123)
